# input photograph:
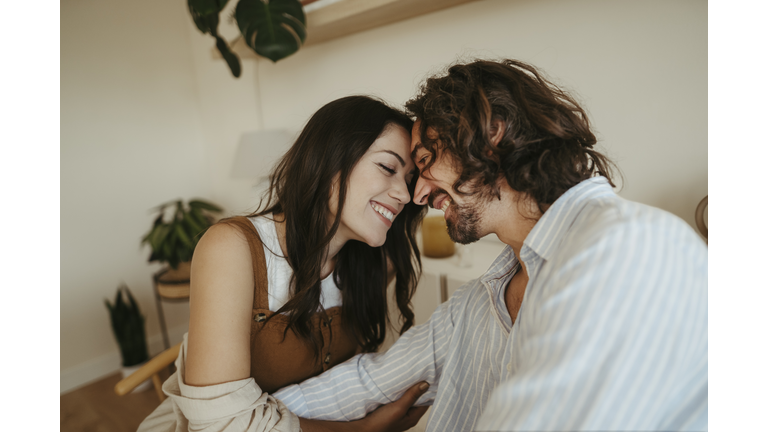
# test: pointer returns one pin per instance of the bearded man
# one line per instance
(594, 317)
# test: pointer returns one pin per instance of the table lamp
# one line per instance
(258, 151)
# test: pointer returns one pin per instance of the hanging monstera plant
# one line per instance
(274, 29)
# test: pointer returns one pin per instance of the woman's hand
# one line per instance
(397, 416)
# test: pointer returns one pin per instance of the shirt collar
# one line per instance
(548, 233)
(501, 267)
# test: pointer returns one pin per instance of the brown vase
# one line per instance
(434, 234)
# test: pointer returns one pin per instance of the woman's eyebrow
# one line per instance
(402, 162)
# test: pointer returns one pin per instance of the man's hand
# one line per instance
(397, 416)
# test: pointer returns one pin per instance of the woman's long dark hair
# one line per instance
(331, 144)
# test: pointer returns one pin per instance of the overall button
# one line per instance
(327, 358)
(260, 317)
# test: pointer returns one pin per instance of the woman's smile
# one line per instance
(386, 212)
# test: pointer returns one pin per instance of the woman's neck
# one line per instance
(329, 263)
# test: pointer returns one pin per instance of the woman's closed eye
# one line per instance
(388, 169)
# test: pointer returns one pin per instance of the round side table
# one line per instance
(168, 288)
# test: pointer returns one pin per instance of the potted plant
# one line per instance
(128, 328)
(175, 233)
(274, 29)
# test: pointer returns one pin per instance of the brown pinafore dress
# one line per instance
(278, 362)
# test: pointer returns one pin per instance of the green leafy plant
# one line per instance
(274, 29)
(173, 241)
(128, 327)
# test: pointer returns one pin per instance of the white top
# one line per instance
(611, 334)
(279, 272)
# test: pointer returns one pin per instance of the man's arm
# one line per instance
(398, 416)
(352, 389)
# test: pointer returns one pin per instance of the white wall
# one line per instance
(130, 140)
(133, 101)
(640, 68)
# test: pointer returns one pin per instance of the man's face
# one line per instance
(462, 213)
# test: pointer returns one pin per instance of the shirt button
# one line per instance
(509, 367)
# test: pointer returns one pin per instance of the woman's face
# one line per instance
(378, 189)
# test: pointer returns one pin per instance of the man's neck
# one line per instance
(512, 218)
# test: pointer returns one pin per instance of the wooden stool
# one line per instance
(170, 285)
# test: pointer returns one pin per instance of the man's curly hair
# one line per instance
(546, 146)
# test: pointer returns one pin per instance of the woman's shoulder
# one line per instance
(222, 235)
(222, 249)
(263, 225)
(241, 229)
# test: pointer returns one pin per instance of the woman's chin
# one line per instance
(376, 242)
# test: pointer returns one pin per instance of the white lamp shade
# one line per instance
(258, 151)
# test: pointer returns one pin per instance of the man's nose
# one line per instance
(422, 191)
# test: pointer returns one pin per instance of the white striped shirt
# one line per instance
(611, 334)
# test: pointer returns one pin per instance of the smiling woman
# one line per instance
(381, 180)
(299, 286)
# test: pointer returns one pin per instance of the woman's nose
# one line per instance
(400, 192)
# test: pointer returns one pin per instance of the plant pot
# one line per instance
(127, 370)
(174, 284)
(177, 275)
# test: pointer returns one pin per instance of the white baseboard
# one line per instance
(100, 367)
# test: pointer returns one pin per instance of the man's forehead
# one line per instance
(416, 135)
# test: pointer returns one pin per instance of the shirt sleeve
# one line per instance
(615, 340)
(358, 386)
(238, 406)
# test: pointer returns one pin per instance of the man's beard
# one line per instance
(465, 228)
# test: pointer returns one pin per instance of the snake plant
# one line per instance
(128, 327)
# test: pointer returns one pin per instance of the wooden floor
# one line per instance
(96, 408)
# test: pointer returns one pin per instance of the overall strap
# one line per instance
(260, 280)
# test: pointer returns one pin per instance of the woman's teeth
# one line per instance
(445, 205)
(384, 212)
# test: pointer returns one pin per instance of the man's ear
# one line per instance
(497, 131)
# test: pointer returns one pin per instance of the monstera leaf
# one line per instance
(274, 29)
(205, 14)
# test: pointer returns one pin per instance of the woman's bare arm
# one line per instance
(221, 302)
